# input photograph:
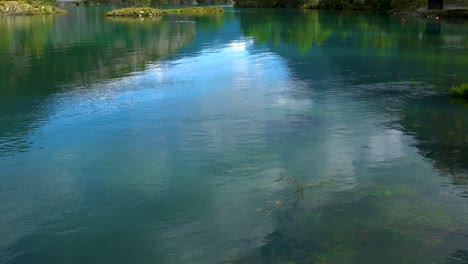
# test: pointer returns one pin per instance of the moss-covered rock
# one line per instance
(28, 9)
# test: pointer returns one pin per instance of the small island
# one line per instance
(153, 12)
(28, 9)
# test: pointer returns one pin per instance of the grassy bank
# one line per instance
(28, 9)
(153, 12)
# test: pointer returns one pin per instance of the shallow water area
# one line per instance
(253, 136)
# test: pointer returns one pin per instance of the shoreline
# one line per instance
(451, 10)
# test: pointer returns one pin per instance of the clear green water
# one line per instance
(259, 136)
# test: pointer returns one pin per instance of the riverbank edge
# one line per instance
(452, 13)
(458, 12)
(153, 12)
(20, 8)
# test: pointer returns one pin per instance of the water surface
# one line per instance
(257, 136)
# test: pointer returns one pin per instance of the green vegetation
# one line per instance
(153, 12)
(134, 12)
(193, 10)
(157, 3)
(459, 91)
(28, 41)
(318, 4)
(28, 8)
(375, 214)
(311, 28)
(446, 125)
(383, 5)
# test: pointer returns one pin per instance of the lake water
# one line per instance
(256, 136)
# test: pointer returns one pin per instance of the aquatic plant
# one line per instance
(300, 186)
(459, 91)
(271, 207)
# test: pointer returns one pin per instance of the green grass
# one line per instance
(152, 12)
(459, 91)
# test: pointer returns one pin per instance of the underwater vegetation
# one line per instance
(296, 193)
(370, 224)
(442, 136)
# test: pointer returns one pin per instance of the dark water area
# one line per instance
(256, 136)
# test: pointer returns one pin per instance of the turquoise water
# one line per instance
(257, 136)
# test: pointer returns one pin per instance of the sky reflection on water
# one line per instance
(238, 144)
